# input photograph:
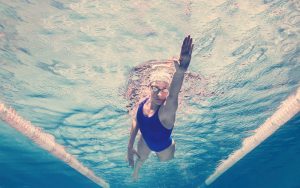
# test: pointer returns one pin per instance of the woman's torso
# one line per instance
(153, 131)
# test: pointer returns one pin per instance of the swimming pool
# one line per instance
(64, 65)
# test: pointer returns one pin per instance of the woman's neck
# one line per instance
(152, 105)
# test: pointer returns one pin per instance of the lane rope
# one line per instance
(286, 111)
(47, 142)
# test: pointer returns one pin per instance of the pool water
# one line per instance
(64, 64)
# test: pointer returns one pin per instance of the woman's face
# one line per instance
(159, 91)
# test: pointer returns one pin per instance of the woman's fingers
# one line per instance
(186, 45)
(190, 44)
(135, 152)
(131, 162)
(191, 51)
(183, 45)
(130, 158)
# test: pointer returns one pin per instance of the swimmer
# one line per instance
(155, 116)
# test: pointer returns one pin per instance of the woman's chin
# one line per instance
(159, 101)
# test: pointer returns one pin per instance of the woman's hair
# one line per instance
(160, 73)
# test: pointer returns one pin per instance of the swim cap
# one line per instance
(160, 76)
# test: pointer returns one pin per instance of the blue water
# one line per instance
(63, 63)
(275, 163)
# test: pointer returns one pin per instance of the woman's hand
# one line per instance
(185, 55)
(130, 158)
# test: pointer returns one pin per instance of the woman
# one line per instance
(155, 116)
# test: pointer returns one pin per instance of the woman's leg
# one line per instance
(168, 153)
(143, 151)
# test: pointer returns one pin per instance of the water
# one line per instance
(63, 64)
(272, 164)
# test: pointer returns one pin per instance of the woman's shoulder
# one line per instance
(138, 104)
(143, 100)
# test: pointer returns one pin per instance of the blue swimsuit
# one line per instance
(156, 136)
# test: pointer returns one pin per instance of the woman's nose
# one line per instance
(159, 94)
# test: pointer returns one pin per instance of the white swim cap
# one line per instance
(160, 76)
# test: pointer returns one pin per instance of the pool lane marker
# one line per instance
(47, 142)
(288, 109)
